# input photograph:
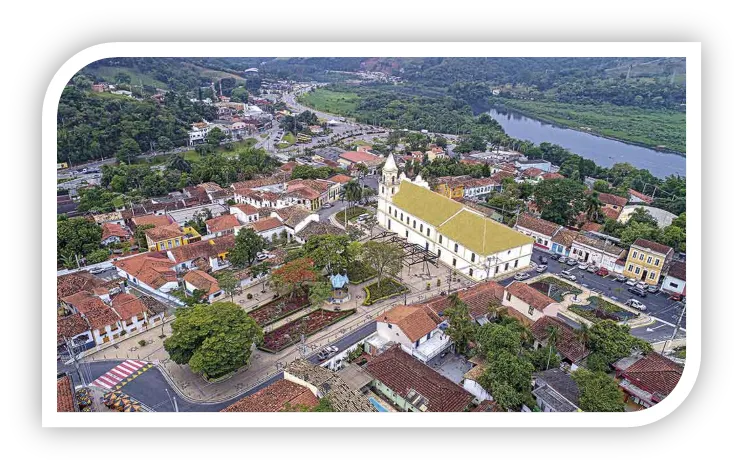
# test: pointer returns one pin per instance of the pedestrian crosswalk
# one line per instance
(121, 374)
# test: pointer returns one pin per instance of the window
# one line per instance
(497, 268)
(389, 223)
(630, 267)
(393, 191)
(657, 261)
(382, 189)
(454, 262)
(421, 227)
(508, 296)
(515, 263)
(456, 247)
(414, 223)
(395, 213)
(506, 267)
(637, 270)
(674, 285)
(650, 259)
(634, 254)
(439, 253)
(162, 245)
(472, 257)
(531, 310)
(408, 221)
(428, 231)
(471, 272)
(170, 243)
(642, 257)
(178, 242)
(389, 325)
(439, 239)
(406, 233)
(389, 210)
(652, 275)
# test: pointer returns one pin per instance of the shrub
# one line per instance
(142, 343)
(250, 296)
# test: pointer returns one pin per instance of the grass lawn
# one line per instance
(646, 127)
(387, 288)
(353, 213)
(109, 74)
(601, 309)
(333, 102)
(554, 287)
(193, 156)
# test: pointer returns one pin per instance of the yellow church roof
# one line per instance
(427, 205)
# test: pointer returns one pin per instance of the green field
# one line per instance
(333, 102)
(109, 74)
(630, 124)
(192, 155)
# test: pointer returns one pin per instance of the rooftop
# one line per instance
(222, 223)
(361, 157)
(156, 220)
(611, 199)
(276, 397)
(599, 244)
(266, 224)
(203, 249)
(529, 295)
(314, 228)
(113, 229)
(152, 268)
(652, 246)
(481, 234)
(202, 281)
(677, 270)
(293, 215)
(71, 326)
(567, 342)
(413, 321)
(342, 397)
(127, 306)
(161, 233)
(65, 397)
(532, 223)
(246, 209)
(653, 373)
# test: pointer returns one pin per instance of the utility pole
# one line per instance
(71, 351)
(675, 330)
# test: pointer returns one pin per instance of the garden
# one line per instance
(387, 288)
(599, 308)
(555, 288)
(290, 333)
(359, 272)
(352, 213)
(280, 308)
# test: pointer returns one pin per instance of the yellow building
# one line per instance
(451, 186)
(163, 238)
(647, 261)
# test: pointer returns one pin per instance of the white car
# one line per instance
(636, 304)
(631, 282)
(567, 275)
(521, 276)
(541, 268)
(582, 266)
(642, 285)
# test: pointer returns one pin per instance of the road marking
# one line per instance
(655, 328)
(119, 373)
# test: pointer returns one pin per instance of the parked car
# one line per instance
(631, 282)
(541, 268)
(677, 297)
(567, 275)
(521, 276)
(542, 260)
(642, 285)
(327, 205)
(97, 270)
(555, 256)
(621, 278)
(652, 289)
(592, 269)
(562, 259)
(602, 272)
(571, 262)
(582, 266)
(322, 355)
(636, 304)
(637, 291)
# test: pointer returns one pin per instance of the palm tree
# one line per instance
(553, 333)
(593, 207)
(582, 335)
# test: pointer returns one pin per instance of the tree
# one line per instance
(598, 392)
(129, 148)
(494, 340)
(248, 244)
(77, 236)
(461, 328)
(609, 342)
(99, 255)
(385, 259)
(294, 275)
(228, 282)
(593, 207)
(560, 200)
(553, 335)
(353, 192)
(260, 270)
(508, 379)
(213, 340)
(633, 231)
(642, 216)
(320, 292)
(141, 237)
(215, 136)
(328, 251)
(164, 143)
(240, 95)
(362, 169)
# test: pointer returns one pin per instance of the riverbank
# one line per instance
(663, 131)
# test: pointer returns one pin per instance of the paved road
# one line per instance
(665, 311)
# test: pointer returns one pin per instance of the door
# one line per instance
(644, 274)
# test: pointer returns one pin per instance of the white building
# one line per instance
(462, 238)
(542, 231)
(675, 281)
(414, 329)
(530, 302)
(469, 381)
(601, 253)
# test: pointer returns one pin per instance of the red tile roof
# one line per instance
(591, 226)
(266, 224)
(246, 209)
(404, 375)
(260, 182)
(202, 281)
(71, 326)
(532, 172)
(280, 395)
(565, 237)
(288, 167)
(610, 213)
(65, 398)
(157, 220)
(413, 321)
(152, 268)
(114, 229)
(611, 199)
(203, 249)
(70, 284)
(530, 222)
(548, 176)
(653, 246)
(101, 317)
(127, 306)
(161, 233)
(641, 196)
(655, 374)
(340, 178)
(529, 295)
(360, 157)
(84, 301)
(478, 298)
(567, 342)
(677, 270)
(222, 223)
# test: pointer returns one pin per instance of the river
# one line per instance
(604, 151)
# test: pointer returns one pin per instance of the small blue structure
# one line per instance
(340, 288)
(339, 281)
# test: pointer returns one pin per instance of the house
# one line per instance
(308, 193)
(326, 384)
(295, 218)
(270, 228)
(199, 280)
(198, 132)
(542, 165)
(316, 228)
(612, 202)
(414, 387)
(599, 252)
(161, 238)
(462, 238)
(104, 323)
(74, 328)
(113, 233)
(264, 198)
(415, 329)
(663, 217)
(639, 197)
(98, 87)
(155, 220)
(541, 230)
(556, 391)
(151, 271)
(281, 395)
(185, 215)
(675, 281)
(648, 261)
(435, 152)
(131, 310)
(530, 302)
(647, 379)
(533, 175)
(245, 213)
(469, 381)
(567, 343)
(481, 299)
(66, 391)
(550, 176)
(481, 188)
(222, 225)
(208, 254)
(563, 240)
(110, 217)
(350, 159)
(452, 186)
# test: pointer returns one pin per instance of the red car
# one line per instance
(677, 297)
(602, 272)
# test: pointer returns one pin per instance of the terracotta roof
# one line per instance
(314, 184)
(203, 249)
(611, 199)
(114, 229)
(591, 226)
(101, 317)
(548, 176)
(677, 270)
(314, 228)
(71, 326)
(157, 220)
(84, 301)
(407, 377)
(266, 224)
(260, 182)
(152, 268)
(246, 209)
(153, 306)
(532, 223)
(488, 406)
(653, 246)
(276, 397)
(565, 237)
(360, 157)
(654, 373)
(202, 281)
(293, 215)
(65, 397)
(161, 233)
(567, 342)
(210, 186)
(127, 306)
(532, 172)
(478, 298)
(340, 178)
(70, 284)
(342, 397)
(599, 244)
(529, 295)
(413, 321)
(288, 167)
(222, 223)
(303, 192)
(517, 315)
(610, 213)
(641, 196)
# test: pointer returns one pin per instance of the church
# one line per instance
(463, 239)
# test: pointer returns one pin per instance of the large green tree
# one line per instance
(560, 200)
(385, 259)
(228, 282)
(77, 236)
(213, 340)
(461, 328)
(248, 244)
(609, 341)
(494, 340)
(598, 392)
